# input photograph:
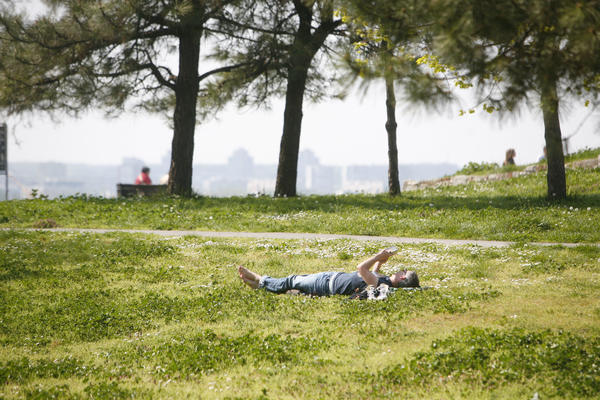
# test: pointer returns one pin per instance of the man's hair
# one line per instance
(145, 169)
(412, 280)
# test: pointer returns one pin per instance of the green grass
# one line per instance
(495, 358)
(91, 316)
(515, 209)
(473, 168)
(110, 316)
(583, 154)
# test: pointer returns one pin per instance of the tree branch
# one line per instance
(274, 31)
(156, 72)
(222, 69)
(157, 19)
(319, 36)
(230, 35)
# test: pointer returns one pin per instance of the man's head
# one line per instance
(405, 279)
(145, 170)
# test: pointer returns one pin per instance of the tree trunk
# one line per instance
(184, 116)
(557, 183)
(287, 170)
(306, 44)
(390, 127)
(301, 55)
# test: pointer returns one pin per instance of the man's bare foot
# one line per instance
(250, 278)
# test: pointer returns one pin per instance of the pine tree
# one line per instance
(112, 54)
(373, 57)
(515, 52)
(292, 34)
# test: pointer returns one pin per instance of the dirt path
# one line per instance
(319, 236)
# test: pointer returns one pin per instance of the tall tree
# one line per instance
(111, 54)
(516, 52)
(306, 44)
(373, 56)
(292, 33)
(525, 52)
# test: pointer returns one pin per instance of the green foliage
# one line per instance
(511, 209)
(100, 391)
(560, 260)
(274, 39)
(23, 252)
(207, 352)
(556, 363)
(408, 303)
(473, 168)
(525, 37)
(81, 55)
(81, 308)
(55, 392)
(112, 390)
(583, 154)
(89, 315)
(24, 369)
(166, 317)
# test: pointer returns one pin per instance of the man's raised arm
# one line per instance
(364, 268)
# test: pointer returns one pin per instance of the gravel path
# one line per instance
(320, 236)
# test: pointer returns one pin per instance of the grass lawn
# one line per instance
(110, 316)
(515, 209)
(473, 168)
(134, 316)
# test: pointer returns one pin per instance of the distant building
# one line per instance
(364, 179)
(314, 178)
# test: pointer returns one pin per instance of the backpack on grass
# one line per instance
(371, 292)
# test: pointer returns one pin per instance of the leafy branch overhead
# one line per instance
(97, 54)
(408, 61)
(89, 55)
(117, 54)
(270, 37)
(513, 53)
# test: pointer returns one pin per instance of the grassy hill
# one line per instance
(116, 316)
(513, 209)
(494, 168)
(134, 316)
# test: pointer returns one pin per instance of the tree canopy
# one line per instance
(298, 37)
(145, 54)
(113, 54)
(514, 52)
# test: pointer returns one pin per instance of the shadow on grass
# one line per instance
(331, 204)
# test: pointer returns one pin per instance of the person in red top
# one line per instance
(144, 177)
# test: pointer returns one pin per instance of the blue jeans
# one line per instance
(313, 284)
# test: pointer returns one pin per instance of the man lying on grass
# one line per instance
(329, 283)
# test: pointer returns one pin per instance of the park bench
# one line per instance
(129, 190)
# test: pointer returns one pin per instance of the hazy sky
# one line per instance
(339, 133)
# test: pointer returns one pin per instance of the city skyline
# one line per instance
(241, 175)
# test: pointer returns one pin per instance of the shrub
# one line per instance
(473, 167)
(561, 363)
